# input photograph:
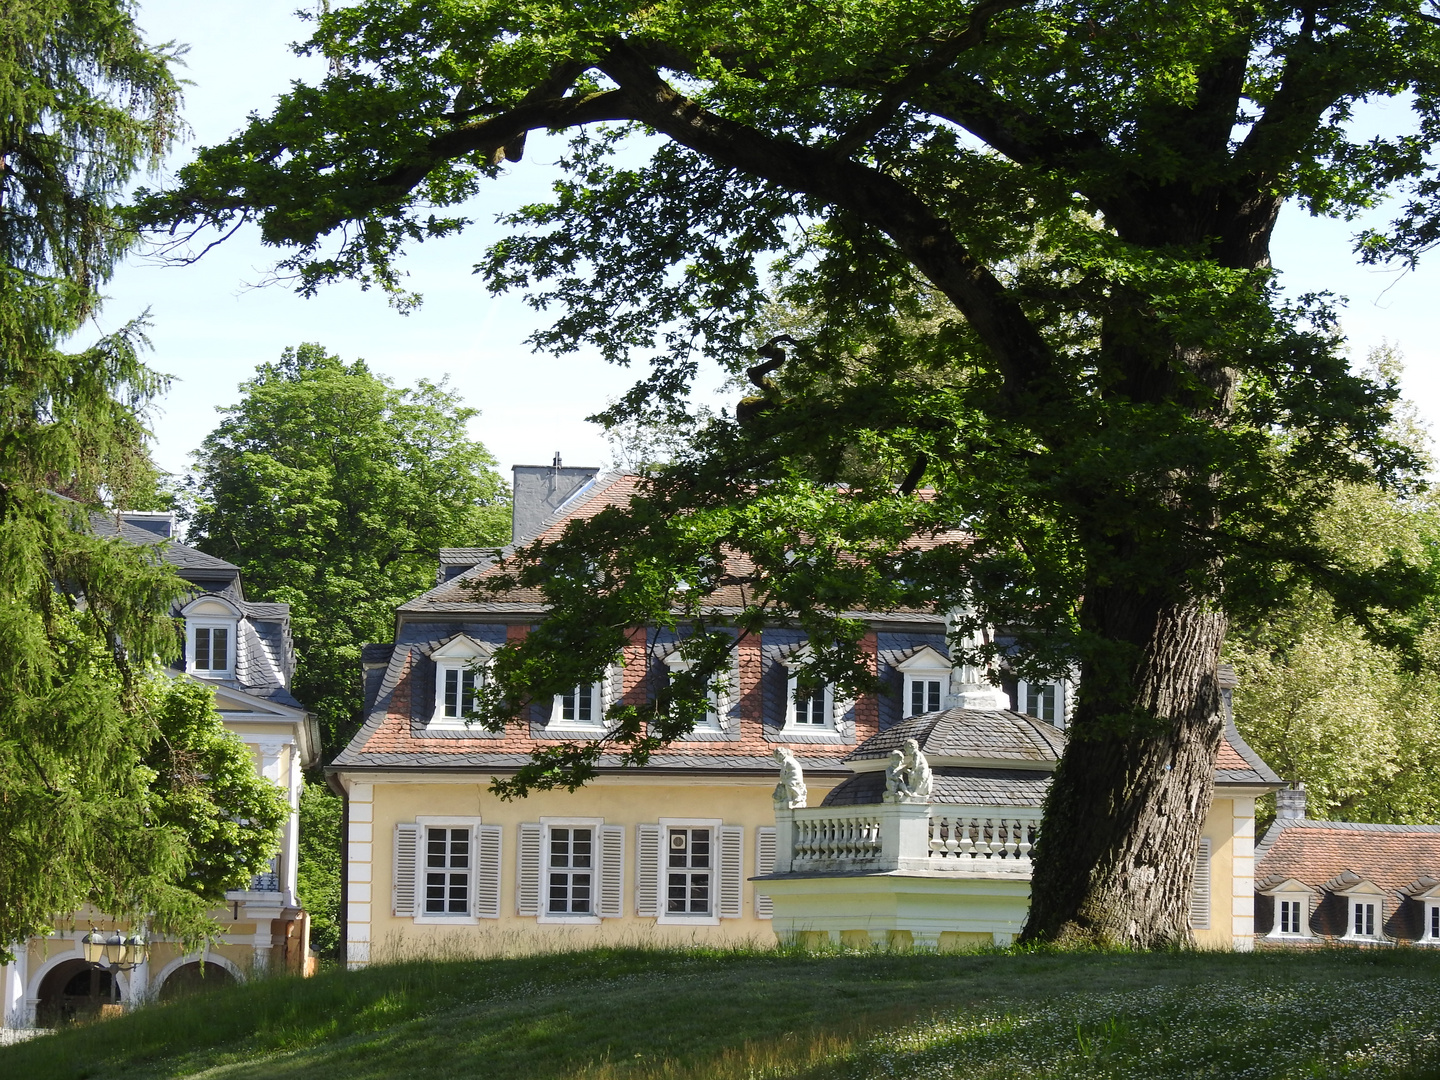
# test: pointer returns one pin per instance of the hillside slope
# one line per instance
(651, 1014)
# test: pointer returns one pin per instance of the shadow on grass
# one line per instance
(654, 1014)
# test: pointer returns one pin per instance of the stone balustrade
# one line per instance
(906, 836)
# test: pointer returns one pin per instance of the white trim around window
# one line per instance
(1430, 928)
(211, 647)
(570, 871)
(581, 709)
(460, 672)
(447, 871)
(1292, 917)
(809, 712)
(715, 720)
(1365, 918)
(1044, 701)
(925, 682)
(689, 872)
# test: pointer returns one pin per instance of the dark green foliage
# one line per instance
(100, 757)
(333, 491)
(1030, 246)
(321, 813)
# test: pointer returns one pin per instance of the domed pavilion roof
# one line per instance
(977, 738)
(980, 757)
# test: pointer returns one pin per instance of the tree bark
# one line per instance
(1115, 861)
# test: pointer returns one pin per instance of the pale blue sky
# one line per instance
(210, 329)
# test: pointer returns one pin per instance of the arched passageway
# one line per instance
(75, 992)
(194, 978)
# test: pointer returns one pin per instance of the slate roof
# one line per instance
(971, 787)
(456, 592)
(1316, 852)
(178, 555)
(960, 734)
(264, 651)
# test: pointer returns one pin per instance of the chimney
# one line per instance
(1290, 802)
(540, 490)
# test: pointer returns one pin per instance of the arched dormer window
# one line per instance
(460, 666)
(211, 630)
(925, 682)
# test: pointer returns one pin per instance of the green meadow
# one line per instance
(642, 1013)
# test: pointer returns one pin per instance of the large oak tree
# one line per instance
(1030, 243)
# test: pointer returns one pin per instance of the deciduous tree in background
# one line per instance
(1034, 237)
(333, 491)
(100, 757)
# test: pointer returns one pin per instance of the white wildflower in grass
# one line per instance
(1230, 1030)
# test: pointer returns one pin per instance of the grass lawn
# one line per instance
(650, 1014)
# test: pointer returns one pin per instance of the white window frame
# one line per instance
(461, 655)
(1430, 928)
(792, 665)
(665, 917)
(1300, 907)
(592, 917)
(1365, 894)
(231, 628)
(1022, 693)
(597, 724)
(425, 824)
(1290, 891)
(926, 666)
(717, 696)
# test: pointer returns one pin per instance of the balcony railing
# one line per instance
(906, 836)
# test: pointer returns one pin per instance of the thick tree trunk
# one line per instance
(1115, 860)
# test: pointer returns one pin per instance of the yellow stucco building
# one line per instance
(670, 852)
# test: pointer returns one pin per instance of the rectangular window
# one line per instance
(1289, 917)
(212, 648)
(447, 871)
(924, 696)
(571, 867)
(1040, 701)
(579, 707)
(810, 705)
(688, 869)
(459, 692)
(1435, 921)
(1364, 920)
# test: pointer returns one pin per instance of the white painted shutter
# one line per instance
(610, 900)
(407, 869)
(487, 871)
(647, 870)
(1200, 892)
(527, 877)
(731, 842)
(764, 864)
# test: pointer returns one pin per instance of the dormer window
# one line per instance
(1042, 700)
(581, 708)
(926, 676)
(460, 666)
(809, 703)
(1365, 908)
(716, 700)
(1293, 900)
(212, 648)
(1426, 893)
(211, 625)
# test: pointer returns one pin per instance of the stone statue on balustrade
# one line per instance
(790, 793)
(908, 777)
